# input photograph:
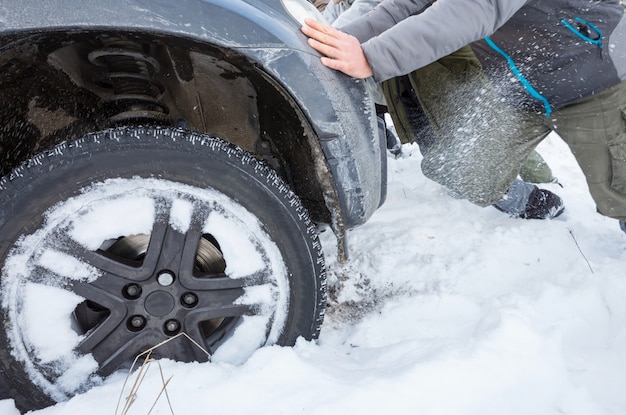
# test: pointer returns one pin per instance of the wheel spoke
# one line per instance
(117, 313)
(173, 250)
(212, 312)
(218, 337)
(116, 350)
(191, 242)
(65, 244)
(216, 282)
(194, 320)
(195, 334)
(44, 276)
(216, 305)
(212, 282)
(160, 231)
(109, 263)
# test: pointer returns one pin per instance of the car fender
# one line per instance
(338, 108)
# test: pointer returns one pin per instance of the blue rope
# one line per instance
(518, 74)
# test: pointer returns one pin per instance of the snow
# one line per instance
(443, 308)
(50, 325)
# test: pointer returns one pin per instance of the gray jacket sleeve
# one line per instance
(400, 36)
(356, 10)
(333, 10)
(383, 17)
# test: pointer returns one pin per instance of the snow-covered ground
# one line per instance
(443, 308)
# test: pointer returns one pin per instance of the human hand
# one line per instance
(342, 51)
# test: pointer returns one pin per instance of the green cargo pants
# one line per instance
(595, 130)
(480, 142)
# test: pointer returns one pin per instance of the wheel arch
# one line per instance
(314, 126)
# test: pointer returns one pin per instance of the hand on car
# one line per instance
(341, 51)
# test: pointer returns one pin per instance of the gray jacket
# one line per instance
(560, 50)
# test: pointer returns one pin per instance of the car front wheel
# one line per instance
(127, 238)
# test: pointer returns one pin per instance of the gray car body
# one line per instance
(336, 112)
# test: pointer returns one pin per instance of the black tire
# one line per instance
(186, 223)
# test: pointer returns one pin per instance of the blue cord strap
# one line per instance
(581, 35)
(518, 74)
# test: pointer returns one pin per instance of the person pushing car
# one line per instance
(568, 59)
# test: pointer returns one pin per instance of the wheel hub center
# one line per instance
(159, 303)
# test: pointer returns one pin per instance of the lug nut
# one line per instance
(172, 327)
(189, 299)
(136, 323)
(132, 291)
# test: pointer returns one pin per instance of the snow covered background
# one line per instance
(443, 308)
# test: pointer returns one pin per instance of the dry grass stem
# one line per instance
(141, 374)
(580, 250)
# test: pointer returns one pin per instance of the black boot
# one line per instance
(526, 201)
(543, 204)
